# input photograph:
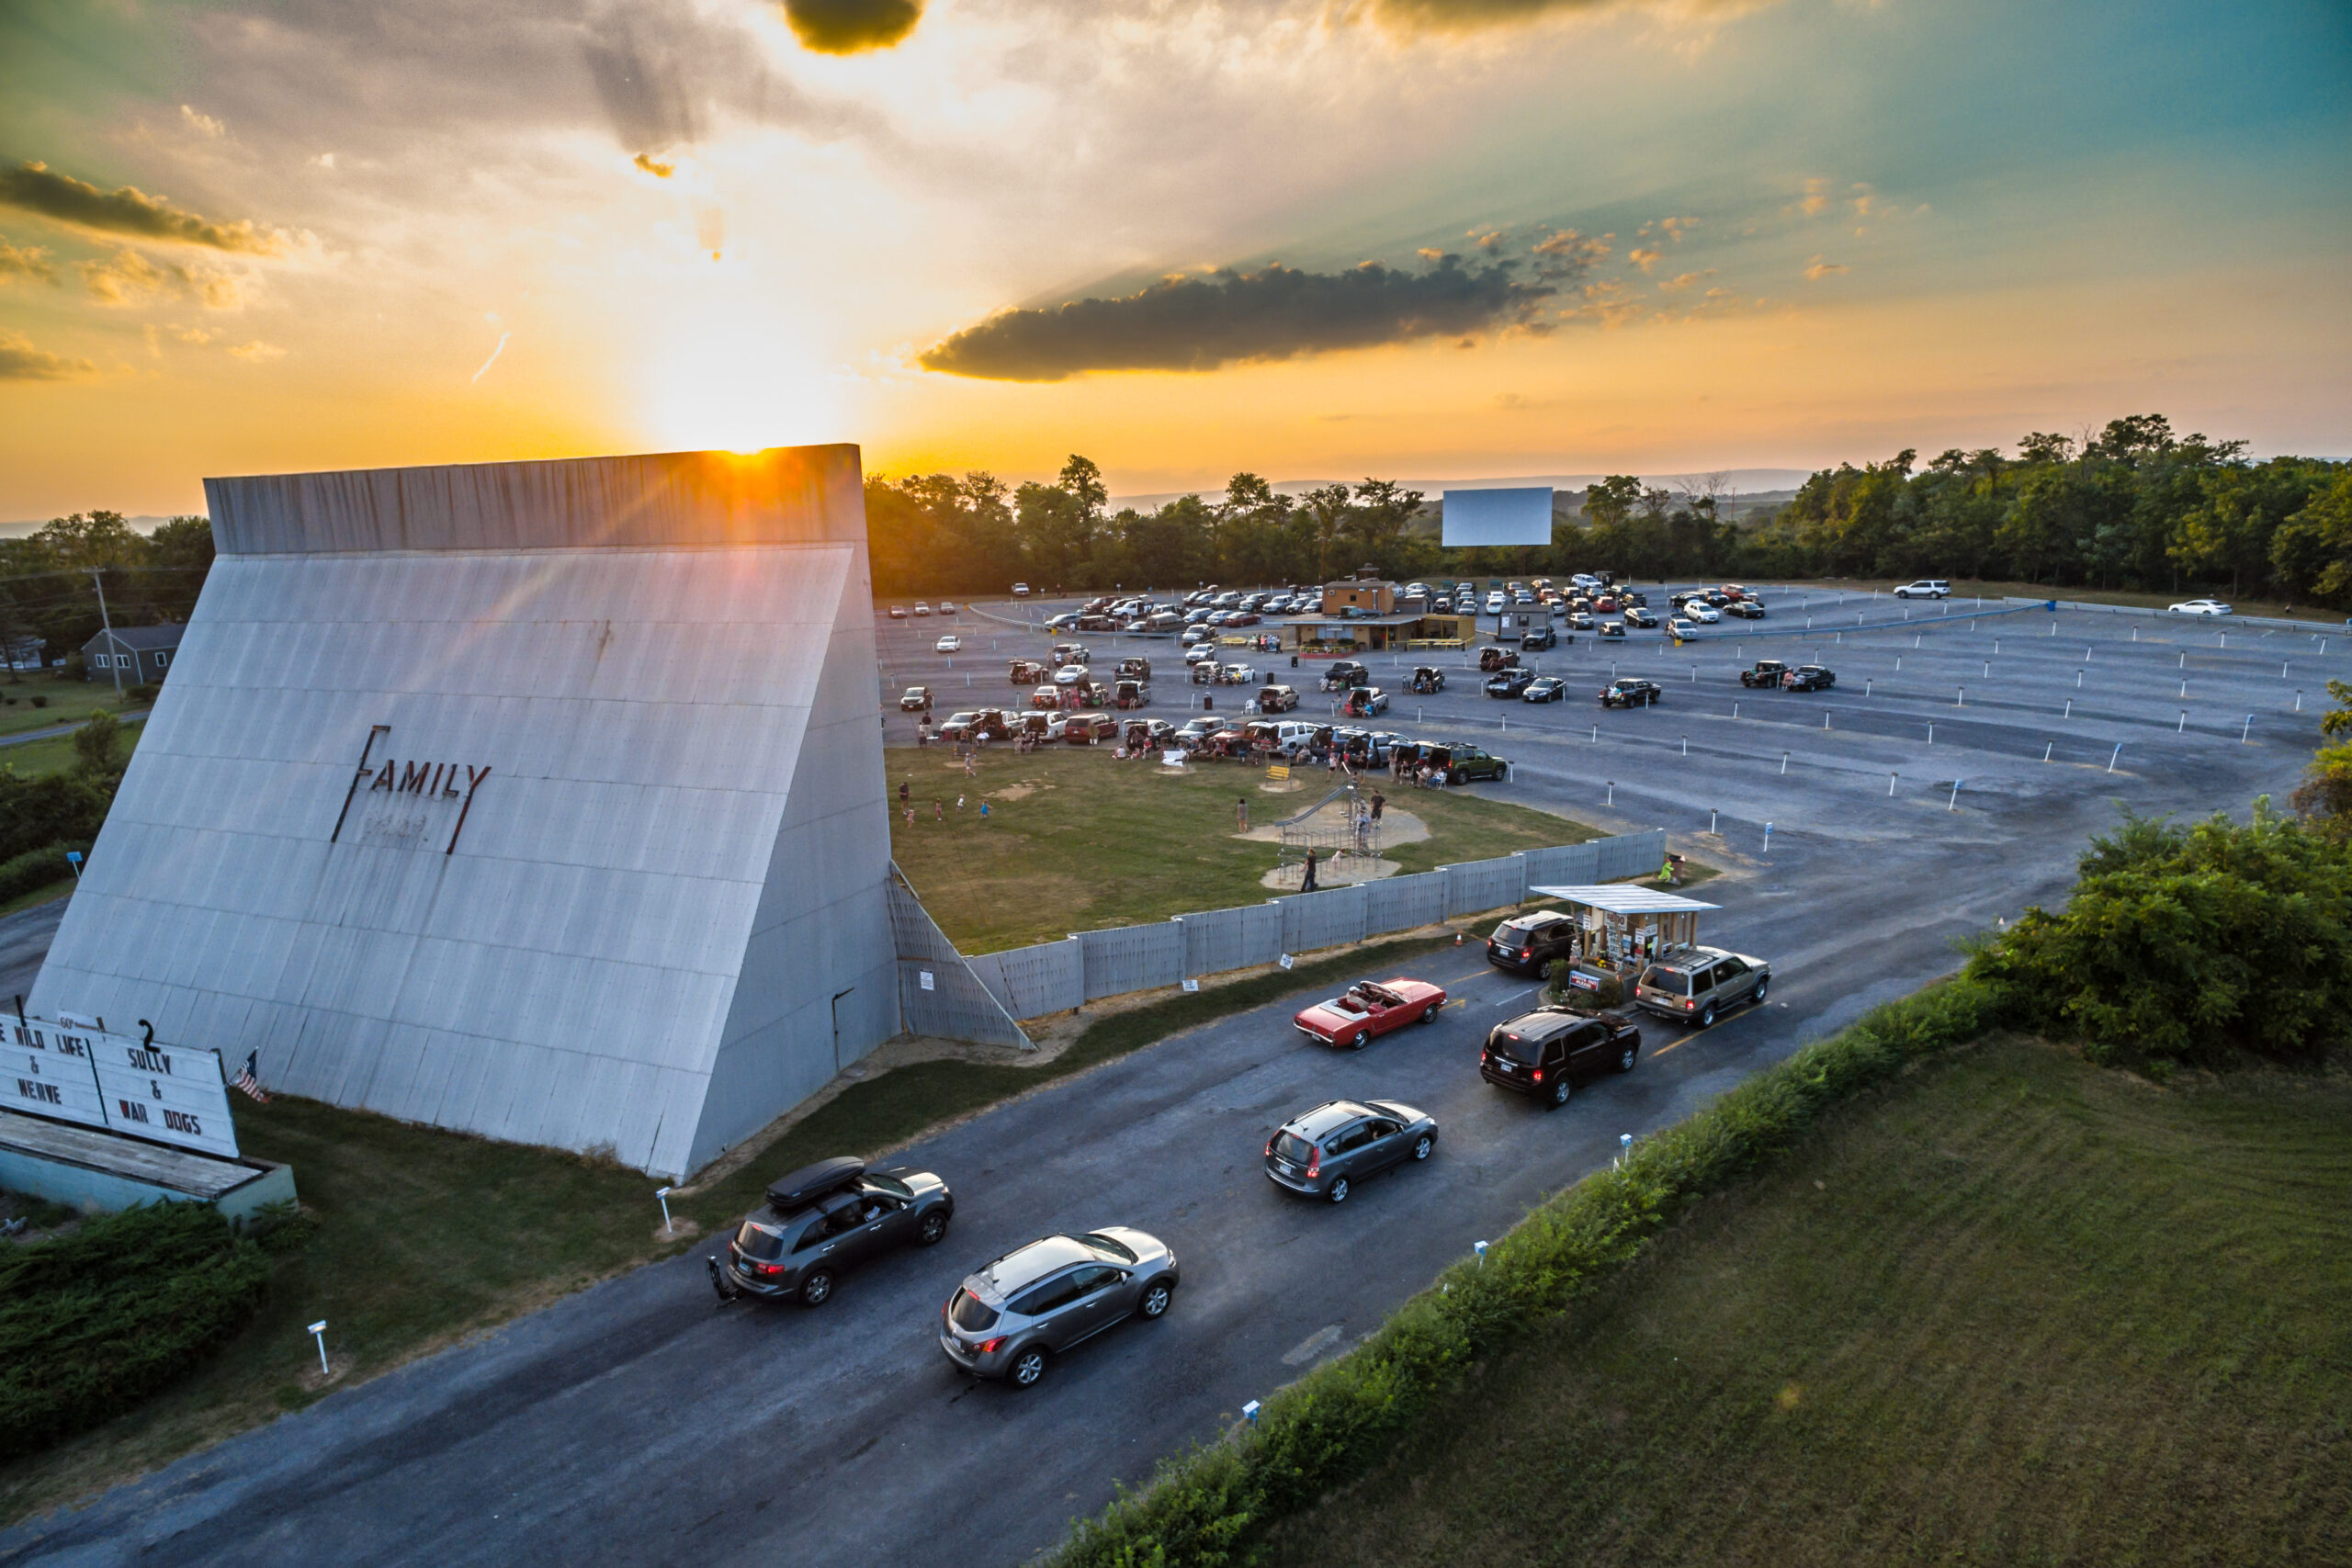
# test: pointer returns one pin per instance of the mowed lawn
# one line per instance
(1076, 840)
(2014, 1310)
(68, 702)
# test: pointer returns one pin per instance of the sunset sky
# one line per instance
(1309, 238)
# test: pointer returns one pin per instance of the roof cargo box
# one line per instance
(811, 1182)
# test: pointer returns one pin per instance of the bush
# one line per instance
(1334, 1423)
(39, 699)
(141, 695)
(54, 808)
(97, 744)
(37, 869)
(2189, 943)
(95, 1322)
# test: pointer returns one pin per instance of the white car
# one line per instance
(2202, 607)
(1705, 614)
(922, 609)
(1070, 675)
(1925, 588)
(1021, 590)
(950, 643)
(1494, 604)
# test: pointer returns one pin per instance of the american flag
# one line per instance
(245, 1079)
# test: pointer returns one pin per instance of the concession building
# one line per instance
(540, 800)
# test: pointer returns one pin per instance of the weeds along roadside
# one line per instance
(1337, 1421)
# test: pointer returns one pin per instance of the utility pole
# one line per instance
(113, 666)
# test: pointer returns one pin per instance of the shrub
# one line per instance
(39, 699)
(94, 1321)
(97, 744)
(1335, 1422)
(2189, 944)
(53, 808)
(36, 869)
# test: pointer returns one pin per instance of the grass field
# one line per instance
(2013, 1309)
(70, 702)
(1075, 840)
(423, 1237)
(36, 759)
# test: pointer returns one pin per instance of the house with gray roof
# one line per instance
(142, 653)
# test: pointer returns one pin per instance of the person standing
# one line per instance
(905, 785)
(938, 810)
(1307, 884)
(1242, 812)
(1378, 802)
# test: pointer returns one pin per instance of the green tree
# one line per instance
(97, 746)
(2311, 552)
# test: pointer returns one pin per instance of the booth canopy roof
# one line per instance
(1622, 899)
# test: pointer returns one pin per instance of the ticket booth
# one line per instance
(1620, 928)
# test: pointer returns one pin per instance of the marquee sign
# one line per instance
(406, 804)
(168, 1094)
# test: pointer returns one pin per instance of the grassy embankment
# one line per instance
(2010, 1309)
(1075, 840)
(39, 759)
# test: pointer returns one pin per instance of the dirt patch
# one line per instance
(1395, 827)
(1330, 873)
(1017, 792)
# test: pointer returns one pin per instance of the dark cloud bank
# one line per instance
(36, 188)
(845, 26)
(1226, 316)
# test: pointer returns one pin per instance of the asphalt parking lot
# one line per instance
(634, 1423)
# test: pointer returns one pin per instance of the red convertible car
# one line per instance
(1370, 1009)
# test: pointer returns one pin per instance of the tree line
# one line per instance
(48, 593)
(2132, 507)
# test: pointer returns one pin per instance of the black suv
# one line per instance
(1530, 942)
(822, 1219)
(1508, 682)
(1764, 672)
(1540, 638)
(1628, 694)
(1544, 1052)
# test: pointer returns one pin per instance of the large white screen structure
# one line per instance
(1497, 516)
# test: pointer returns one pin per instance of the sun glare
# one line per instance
(712, 382)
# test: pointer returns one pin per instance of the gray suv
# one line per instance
(1009, 1319)
(1322, 1152)
(1699, 982)
(825, 1218)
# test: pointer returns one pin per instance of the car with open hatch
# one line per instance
(1527, 943)
(1370, 1009)
(1765, 673)
(1697, 983)
(1493, 659)
(1627, 693)
(1461, 765)
(1011, 1316)
(1544, 1053)
(1323, 1152)
(823, 1219)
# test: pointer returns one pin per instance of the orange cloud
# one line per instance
(25, 261)
(659, 171)
(20, 361)
(1821, 269)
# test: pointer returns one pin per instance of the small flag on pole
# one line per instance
(247, 1082)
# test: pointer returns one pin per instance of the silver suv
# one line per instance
(1008, 1320)
(1698, 983)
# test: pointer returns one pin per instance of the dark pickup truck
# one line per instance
(1547, 1052)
